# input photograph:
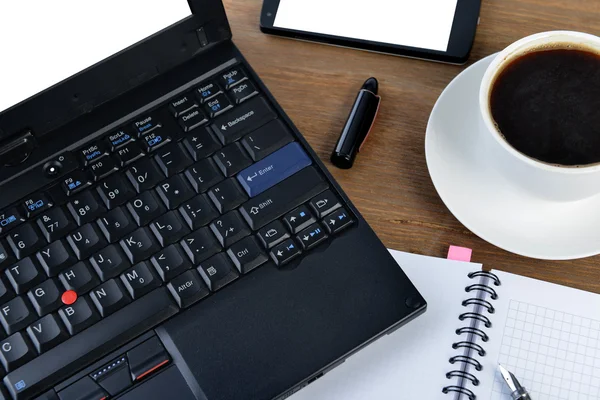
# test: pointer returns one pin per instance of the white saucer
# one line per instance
(484, 200)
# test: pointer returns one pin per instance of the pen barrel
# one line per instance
(520, 394)
(356, 129)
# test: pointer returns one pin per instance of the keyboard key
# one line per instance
(229, 228)
(75, 182)
(78, 316)
(281, 198)
(85, 208)
(298, 219)
(144, 175)
(109, 297)
(192, 119)
(116, 224)
(86, 241)
(203, 175)
(139, 280)
(25, 240)
(139, 245)
(170, 262)
(217, 272)
(187, 289)
(247, 255)
(232, 77)
(93, 152)
(325, 203)
(200, 245)
(337, 221)
(231, 159)
(16, 315)
(312, 236)
(118, 139)
(55, 223)
(109, 262)
(46, 333)
(55, 257)
(267, 139)
(6, 256)
(285, 252)
(243, 92)
(145, 208)
(129, 153)
(172, 159)
(24, 275)
(5, 292)
(114, 377)
(182, 104)
(102, 168)
(198, 212)
(245, 118)
(154, 141)
(79, 278)
(201, 144)
(146, 358)
(273, 169)
(115, 191)
(175, 191)
(146, 124)
(168, 228)
(207, 90)
(45, 297)
(10, 219)
(36, 204)
(217, 105)
(119, 328)
(14, 352)
(273, 234)
(227, 195)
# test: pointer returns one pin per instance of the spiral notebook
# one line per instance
(547, 335)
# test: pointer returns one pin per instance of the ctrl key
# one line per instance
(285, 252)
(188, 288)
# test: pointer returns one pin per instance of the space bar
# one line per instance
(84, 348)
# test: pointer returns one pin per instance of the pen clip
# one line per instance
(373, 122)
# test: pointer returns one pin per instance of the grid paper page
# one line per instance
(553, 354)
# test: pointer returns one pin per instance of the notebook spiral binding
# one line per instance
(481, 291)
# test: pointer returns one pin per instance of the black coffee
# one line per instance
(547, 106)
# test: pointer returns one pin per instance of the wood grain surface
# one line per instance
(389, 183)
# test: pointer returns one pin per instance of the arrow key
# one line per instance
(312, 236)
(299, 219)
(338, 221)
(285, 252)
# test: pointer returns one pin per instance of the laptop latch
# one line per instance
(17, 150)
(202, 38)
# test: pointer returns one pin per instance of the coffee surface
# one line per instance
(547, 106)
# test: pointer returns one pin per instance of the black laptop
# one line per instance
(167, 233)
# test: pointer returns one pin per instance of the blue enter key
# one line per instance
(273, 169)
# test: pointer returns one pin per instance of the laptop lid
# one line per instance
(64, 58)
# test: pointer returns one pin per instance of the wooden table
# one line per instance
(389, 183)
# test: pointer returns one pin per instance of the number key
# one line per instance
(144, 175)
(116, 224)
(145, 208)
(85, 208)
(139, 280)
(55, 224)
(25, 240)
(114, 191)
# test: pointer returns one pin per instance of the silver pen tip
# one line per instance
(508, 377)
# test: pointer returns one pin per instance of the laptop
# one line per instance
(165, 230)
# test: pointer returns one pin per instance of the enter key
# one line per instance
(273, 169)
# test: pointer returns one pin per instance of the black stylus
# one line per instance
(357, 127)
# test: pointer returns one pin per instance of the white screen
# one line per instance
(43, 42)
(415, 23)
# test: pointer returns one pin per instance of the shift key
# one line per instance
(285, 196)
(247, 117)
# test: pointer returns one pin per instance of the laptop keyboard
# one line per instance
(177, 204)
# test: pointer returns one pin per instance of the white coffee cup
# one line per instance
(550, 182)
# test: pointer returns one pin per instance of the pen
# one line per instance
(358, 125)
(518, 392)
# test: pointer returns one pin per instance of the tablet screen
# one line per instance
(44, 42)
(424, 24)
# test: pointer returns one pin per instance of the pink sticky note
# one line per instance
(459, 253)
